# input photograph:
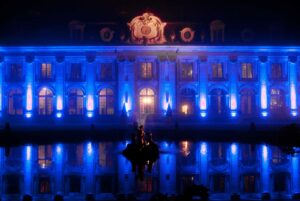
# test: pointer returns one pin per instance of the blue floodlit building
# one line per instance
(56, 88)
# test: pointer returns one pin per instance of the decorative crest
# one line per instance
(147, 29)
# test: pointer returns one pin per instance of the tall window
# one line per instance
(46, 71)
(106, 71)
(218, 153)
(277, 99)
(219, 183)
(217, 71)
(75, 102)
(75, 184)
(14, 159)
(147, 101)
(276, 71)
(44, 185)
(11, 184)
(45, 102)
(106, 102)
(247, 101)
(104, 151)
(248, 154)
(247, 71)
(15, 72)
(75, 154)
(145, 186)
(76, 72)
(249, 183)
(44, 156)
(218, 102)
(15, 102)
(280, 183)
(187, 101)
(278, 157)
(146, 70)
(186, 71)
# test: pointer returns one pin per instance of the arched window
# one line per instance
(277, 99)
(187, 101)
(75, 102)
(15, 102)
(106, 102)
(247, 101)
(147, 101)
(45, 102)
(218, 101)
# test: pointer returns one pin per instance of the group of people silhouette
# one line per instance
(141, 152)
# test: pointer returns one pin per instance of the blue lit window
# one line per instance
(186, 72)
(248, 154)
(217, 71)
(46, 71)
(278, 157)
(277, 101)
(15, 101)
(187, 101)
(44, 185)
(247, 71)
(76, 72)
(106, 102)
(45, 102)
(75, 102)
(218, 154)
(147, 101)
(104, 152)
(247, 102)
(218, 102)
(75, 154)
(15, 72)
(146, 70)
(44, 156)
(277, 71)
(105, 72)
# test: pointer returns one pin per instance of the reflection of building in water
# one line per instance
(75, 170)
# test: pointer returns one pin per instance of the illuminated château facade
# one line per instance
(100, 88)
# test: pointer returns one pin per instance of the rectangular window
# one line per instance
(146, 70)
(14, 159)
(186, 71)
(249, 183)
(105, 159)
(106, 72)
(145, 186)
(44, 156)
(46, 71)
(247, 71)
(11, 184)
(44, 185)
(15, 72)
(76, 72)
(74, 184)
(219, 183)
(187, 181)
(106, 184)
(280, 182)
(276, 71)
(75, 154)
(217, 71)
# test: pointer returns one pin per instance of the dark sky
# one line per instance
(283, 14)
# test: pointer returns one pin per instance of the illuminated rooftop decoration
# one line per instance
(147, 29)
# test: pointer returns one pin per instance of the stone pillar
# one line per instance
(1, 85)
(59, 84)
(90, 83)
(233, 75)
(89, 166)
(292, 72)
(263, 86)
(203, 76)
(265, 171)
(28, 170)
(29, 80)
(295, 175)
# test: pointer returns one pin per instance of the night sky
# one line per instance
(52, 16)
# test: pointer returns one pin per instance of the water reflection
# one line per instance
(100, 169)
